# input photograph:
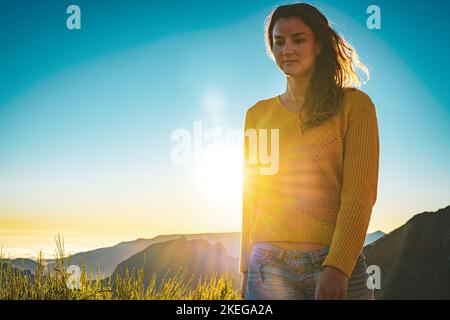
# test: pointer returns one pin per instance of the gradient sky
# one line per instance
(86, 116)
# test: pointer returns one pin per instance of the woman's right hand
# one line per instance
(243, 285)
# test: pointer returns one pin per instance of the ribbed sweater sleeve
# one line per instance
(359, 185)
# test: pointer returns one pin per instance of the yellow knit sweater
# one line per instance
(324, 185)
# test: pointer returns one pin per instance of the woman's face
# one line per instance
(294, 47)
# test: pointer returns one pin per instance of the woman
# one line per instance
(304, 227)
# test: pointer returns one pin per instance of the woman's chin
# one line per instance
(294, 72)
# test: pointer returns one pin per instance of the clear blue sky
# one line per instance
(86, 116)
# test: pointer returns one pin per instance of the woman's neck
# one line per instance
(295, 91)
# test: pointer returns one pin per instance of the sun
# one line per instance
(219, 175)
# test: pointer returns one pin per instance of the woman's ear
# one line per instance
(318, 48)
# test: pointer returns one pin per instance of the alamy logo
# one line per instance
(374, 280)
(73, 21)
(374, 20)
(190, 146)
(258, 151)
(73, 282)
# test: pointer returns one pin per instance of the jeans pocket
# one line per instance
(319, 260)
(259, 259)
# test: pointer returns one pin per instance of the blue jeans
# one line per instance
(275, 273)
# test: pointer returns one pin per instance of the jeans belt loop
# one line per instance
(281, 254)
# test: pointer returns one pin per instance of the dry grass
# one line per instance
(56, 284)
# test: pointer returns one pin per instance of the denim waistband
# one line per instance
(313, 255)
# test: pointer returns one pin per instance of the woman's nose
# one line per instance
(288, 47)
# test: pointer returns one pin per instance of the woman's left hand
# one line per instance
(332, 285)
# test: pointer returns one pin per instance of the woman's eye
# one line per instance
(278, 43)
(299, 40)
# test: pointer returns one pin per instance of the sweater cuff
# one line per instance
(344, 265)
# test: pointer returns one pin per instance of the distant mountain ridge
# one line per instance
(198, 256)
(108, 258)
(374, 236)
(21, 264)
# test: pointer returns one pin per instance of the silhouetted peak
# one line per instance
(413, 259)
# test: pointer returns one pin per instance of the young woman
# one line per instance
(304, 227)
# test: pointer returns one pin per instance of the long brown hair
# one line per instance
(336, 66)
